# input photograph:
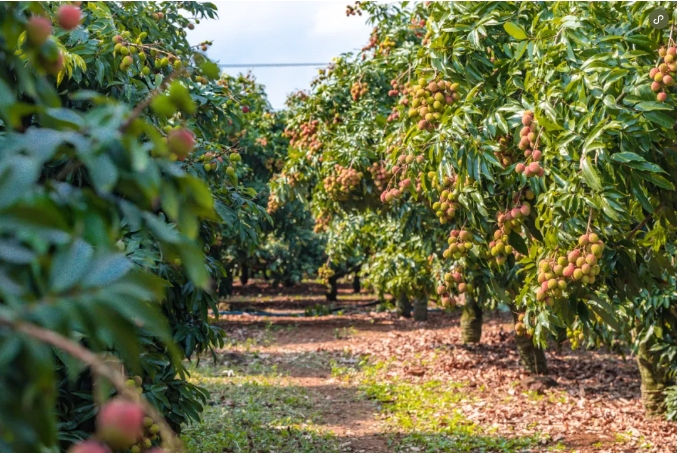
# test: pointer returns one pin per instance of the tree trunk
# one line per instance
(471, 322)
(532, 357)
(356, 284)
(332, 294)
(403, 306)
(244, 274)
(421, 308)
(652, 381)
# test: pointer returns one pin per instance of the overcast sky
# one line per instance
(281, 32)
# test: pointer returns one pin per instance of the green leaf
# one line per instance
(603, 309)
(590, 174)
(194, 264)
(106, 270)
(515, 30)
(68, 266)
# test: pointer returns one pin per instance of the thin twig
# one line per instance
(98, 367)
(588, 225)
(139, 109)
(642, 223)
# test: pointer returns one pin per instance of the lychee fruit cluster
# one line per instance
(520, 328)
(500, 248)
(578, 265)
(358, 89)
(511, 220)
(428, 101)
(325, 272)
(459, 244)
(529, 141)
(385, 46)
(380, 175)
(306, 137)
(447, 205)
(453, 283)
(353, 10)
(373, 42)
(121, 425)
(322, 222)
(661, 75)
(39, 37)
(340, 185)
(503, 154)
(394, 115)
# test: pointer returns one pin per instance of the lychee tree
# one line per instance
(557, 113)
(337, 162)
(108, 209)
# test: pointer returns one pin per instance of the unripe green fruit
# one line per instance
(164, 61)
(585, 279)
(593, 237)
(595, 270)
(146, 70)
(207, 167)
(558, 269)
(580, 261)
(508, 250)
(439, 97)
(235, 157)
(127, 61)
(135, 449)
(562, 261)
(123, 50)
(562, 284)
(586, 268)
(154, 429)
(577, 274)
(437, 105)
(130, 383)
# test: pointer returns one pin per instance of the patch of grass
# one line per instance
(426, 416)
(344, 332)
(256, 413)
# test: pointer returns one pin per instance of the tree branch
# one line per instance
(99, 367)
(139, 109)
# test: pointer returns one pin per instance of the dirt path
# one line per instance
(429, 392)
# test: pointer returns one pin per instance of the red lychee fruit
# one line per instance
(661, 97)
(68, 17)
(119, 423)
(181, 142)
(38, 30)
(245, 109)
(536, 155)
(520, 168)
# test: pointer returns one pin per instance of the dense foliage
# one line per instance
(534, 134)
(121, 170)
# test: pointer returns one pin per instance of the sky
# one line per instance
(281, 32)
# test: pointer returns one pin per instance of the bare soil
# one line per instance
(594, 406)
